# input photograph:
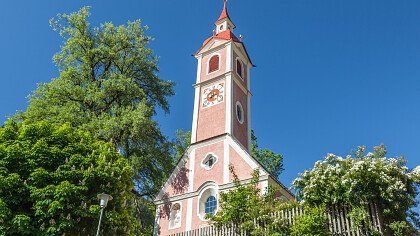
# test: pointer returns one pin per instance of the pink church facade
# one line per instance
(221, 136)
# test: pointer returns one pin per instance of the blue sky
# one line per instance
(330, 75)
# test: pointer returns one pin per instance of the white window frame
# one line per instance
(209, 189)
(208, 63)
(242, 68)
(171, 219)
(242, 111)
(206, 157)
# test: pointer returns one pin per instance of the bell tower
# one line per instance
(222, 88)
(221, 133)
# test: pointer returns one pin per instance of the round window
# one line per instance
(221, 28)
(239, 112)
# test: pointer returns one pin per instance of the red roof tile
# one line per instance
(226, 35)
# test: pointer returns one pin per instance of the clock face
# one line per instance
(212, 95)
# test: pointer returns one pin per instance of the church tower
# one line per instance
(222, 89)
(221, 133)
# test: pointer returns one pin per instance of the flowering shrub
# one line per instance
(359, 179)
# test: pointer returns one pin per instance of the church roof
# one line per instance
(224, 35)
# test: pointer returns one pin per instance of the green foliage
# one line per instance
(49, 180)
(273, 162)
(312, 223)
(243, 205)
(359, 217)
(108, 86)
(359, 180)
(181, 143)
(400, 228)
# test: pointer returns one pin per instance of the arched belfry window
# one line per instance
(239, 68)
(214, 63)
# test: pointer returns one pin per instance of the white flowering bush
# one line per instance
(362, 178)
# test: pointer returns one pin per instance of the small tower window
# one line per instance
(214, 63)
(209, 161)
(239, 68)
(211, 205)
(239, 112)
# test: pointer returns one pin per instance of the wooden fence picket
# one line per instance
(338, 220)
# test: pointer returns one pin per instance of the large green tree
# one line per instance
(108, 86)
(360, 179)
(49, 180)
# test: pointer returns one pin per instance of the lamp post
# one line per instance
(104, 198)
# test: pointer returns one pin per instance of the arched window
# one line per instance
(214, 63)
(207, 200)
(239, 68)
(175, 216)
(211, 205)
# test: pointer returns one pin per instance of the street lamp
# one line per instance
(104, 198)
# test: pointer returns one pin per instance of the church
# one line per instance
(221, 136)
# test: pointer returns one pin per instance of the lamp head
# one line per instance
(104, 198)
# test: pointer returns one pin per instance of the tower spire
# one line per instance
(224, 22)
(224, 13)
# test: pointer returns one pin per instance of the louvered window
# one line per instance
(239, 68)
(214, 63)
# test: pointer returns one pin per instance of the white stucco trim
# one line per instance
(229, 54)
(188, 219)
(222, 187)
(199, 61)
(195, 115)
(196, 102)
(191, 171)
(229, 98)
(226, 162)
(249, 106)
(208, 63)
